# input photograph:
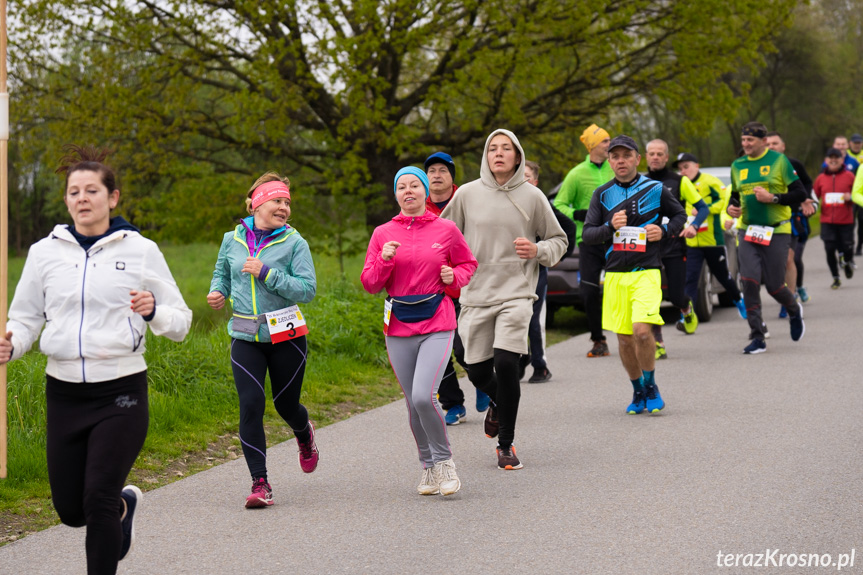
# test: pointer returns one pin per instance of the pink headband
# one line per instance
(269, 191)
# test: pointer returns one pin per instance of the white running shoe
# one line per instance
(447, 479)
(428, 482)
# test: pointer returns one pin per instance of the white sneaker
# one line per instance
(428, 482)
(447, 479)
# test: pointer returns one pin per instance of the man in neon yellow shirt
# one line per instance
(763, 186)
(573, 199)
(708, 242)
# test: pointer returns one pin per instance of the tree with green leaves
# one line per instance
(341, 93)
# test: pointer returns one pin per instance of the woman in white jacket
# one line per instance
(95, 286)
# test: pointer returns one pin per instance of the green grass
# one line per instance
(193, 405)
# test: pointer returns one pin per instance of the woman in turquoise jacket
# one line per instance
(265, 269)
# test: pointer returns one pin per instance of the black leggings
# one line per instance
(591, 260)
(286, 362)
(449, 392)
(675, 277)
(859, 211)
(498, 377)
(94, 434)
(798, 260)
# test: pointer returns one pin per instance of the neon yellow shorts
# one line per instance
(631, 297)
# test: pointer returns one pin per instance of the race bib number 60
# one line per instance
(759, 235)
(286, 323)
(630, 239)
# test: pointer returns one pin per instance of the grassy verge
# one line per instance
(193, 405)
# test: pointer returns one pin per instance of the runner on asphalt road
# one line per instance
(763, 186)
(573, 200)
(264, 268)
(627, 213)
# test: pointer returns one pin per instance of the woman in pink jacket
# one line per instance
(415, 256)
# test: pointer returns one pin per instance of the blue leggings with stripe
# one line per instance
(286, 362)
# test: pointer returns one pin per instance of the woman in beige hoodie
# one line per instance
(500, 214)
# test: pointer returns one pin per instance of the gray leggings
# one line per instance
(419, 362)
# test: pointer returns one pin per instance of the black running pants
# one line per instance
(449, 392)
(286, 363)
(94, 434)
(591, 260)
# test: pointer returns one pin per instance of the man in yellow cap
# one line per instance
(573, 199)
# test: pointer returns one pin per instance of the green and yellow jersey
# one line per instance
(773, 172)
(715, 195)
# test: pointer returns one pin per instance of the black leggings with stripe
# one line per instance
(94, 434)
(286, 363)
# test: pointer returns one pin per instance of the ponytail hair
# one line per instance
(87, 158)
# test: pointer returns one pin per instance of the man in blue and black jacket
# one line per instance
(626, 215)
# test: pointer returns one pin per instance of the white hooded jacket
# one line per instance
(491, 217)
(82, 299)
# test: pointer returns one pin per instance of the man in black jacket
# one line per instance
(674, 247)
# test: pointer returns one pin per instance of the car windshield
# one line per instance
(723, 173)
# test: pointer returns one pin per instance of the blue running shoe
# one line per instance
(741, 307)
(783, 313)
(482, 400)
(637, 406)
(653, 401)
(803, 294)
(798, 328)
(454, 415)
(755, 346)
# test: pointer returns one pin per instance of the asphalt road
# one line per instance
(753, 455)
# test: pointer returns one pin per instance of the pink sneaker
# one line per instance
(262, 495)
(308, 451)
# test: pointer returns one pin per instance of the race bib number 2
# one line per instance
(630, 239)
(287, 323)
(759, 235)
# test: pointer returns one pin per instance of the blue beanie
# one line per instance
(415, 172)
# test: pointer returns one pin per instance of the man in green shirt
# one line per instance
(573, 199)
(763, 186)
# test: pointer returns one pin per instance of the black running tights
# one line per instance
(498, 377)
(94, 434)
(286, 362)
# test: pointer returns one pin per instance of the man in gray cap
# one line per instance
(625, 215)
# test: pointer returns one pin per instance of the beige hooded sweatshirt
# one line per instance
(491, 217)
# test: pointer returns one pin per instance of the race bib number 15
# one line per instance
(630, 239)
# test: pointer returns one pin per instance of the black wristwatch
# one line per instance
(775, 199)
